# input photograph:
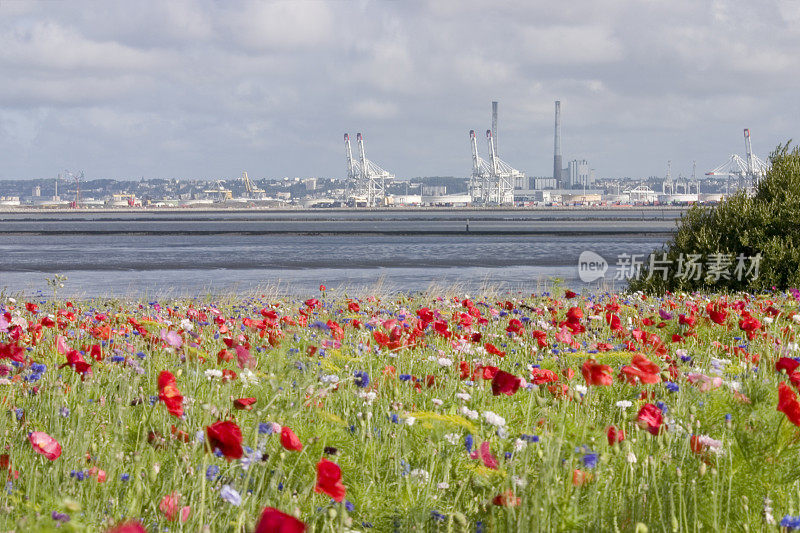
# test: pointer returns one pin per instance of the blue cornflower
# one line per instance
(33, 377)
(38, 368)
(672, 387)
(468, 443)
(116, 359)
(361, 378)
(349, 506)
(439, 517)
(405, 377)
(661, 405)
(790, 522)
(395, 419)
(124, 477)
(19, 412)
(265, 428)
(529, 438)
(590, 460)
(212, 472)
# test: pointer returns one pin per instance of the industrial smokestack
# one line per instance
(557, 169)
(494, 126)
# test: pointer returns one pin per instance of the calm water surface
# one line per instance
(184, 254)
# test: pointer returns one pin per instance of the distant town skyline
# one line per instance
(207, 89)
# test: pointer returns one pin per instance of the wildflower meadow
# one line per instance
(394, 412)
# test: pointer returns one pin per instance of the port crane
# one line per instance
(492, 181)
(747, 171)
(252, 190)
(366, 180)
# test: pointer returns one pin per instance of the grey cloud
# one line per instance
(206, 88)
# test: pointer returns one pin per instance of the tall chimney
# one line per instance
(557, 169)
(494, 126)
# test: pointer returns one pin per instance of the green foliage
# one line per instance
(731, 234)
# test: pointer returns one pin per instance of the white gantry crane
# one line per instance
(366, 181)
(747, 171)
(492, 181)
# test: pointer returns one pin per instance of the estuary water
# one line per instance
(197, 253)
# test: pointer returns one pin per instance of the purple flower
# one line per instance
(361, 378)
(230, 495)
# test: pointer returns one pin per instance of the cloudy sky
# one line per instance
(207, 89)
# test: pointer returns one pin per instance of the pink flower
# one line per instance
(169, 507)
(45, 445)
(243, 357)
(171, 338)
(704, 383)
(484, 453)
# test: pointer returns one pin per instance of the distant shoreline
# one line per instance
(206, 209)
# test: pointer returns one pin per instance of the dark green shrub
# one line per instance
(734, 239)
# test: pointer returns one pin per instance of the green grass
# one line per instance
(398, 476)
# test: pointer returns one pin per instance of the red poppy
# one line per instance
(641, 369)
(596, 374)
(128, 527)
(614, 435)
(227, 438)
(505, 383)
(749, 325)
(289, 440)
(45, 445)
(515, 326)
(484, 372)
(568, 294)
(329, 480)
(440, 326)
(786, 363)
(613, 321)
(76, 361)
(788, 404)
(353, 307)
(169, 394)
(275, 521)
(244, 403)
(543, 375)
(426, 316)
(313, 303)
(696, 446)
(717, 312)
(506, 499)
(494, 350)
(33, 308)
(650, 418)
(12, 351)
(541, 338)
(580, 478)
